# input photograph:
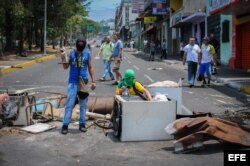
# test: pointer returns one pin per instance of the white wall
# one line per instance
(132, 16)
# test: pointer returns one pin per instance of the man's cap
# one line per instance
(206, 38)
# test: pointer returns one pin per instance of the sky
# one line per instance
(103, 9)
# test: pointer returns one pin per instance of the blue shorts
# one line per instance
(205, 67)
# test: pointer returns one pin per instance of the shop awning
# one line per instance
(140, 17)
(196, 17)
(148, 29)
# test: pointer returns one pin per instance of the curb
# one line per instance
(27, 64)
(245, 89)
(234, 85)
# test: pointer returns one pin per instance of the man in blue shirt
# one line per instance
(79, 62)
(117, 57)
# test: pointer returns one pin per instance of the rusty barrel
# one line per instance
(101, 105)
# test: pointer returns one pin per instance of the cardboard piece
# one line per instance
(38, 128)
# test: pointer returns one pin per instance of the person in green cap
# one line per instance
(134, 87)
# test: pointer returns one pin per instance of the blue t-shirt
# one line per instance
(83, 59)
(117, 47)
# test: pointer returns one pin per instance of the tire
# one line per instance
(104, 124)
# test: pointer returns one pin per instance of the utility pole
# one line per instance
(45, 20)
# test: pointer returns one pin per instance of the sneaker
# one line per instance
(115, 83)
(191, 86)
(82, 127)
(112, 79)
(102, 79)
(64, 129)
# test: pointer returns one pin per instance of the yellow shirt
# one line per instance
(138, 86)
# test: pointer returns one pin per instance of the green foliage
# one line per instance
(27, 16)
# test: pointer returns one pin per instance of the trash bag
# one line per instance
(9, 110)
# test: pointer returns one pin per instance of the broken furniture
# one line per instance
(22, 100)
(135, 119)
(191, 132)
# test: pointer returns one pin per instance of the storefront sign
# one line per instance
(149, 20)
(176, 18)
(91, 28)
(217, 5)
(159, 7)
(137, 6)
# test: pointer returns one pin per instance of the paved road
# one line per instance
(50, 76)
(93, 148)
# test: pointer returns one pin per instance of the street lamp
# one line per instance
(45, 20)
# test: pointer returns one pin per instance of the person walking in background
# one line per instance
(191, 52)
(131, 44)
(216, 45)
(117, 57)
(145, 43)
(1, 47)
(205, 59)
(157, 46)
(182, 49)
(105, 52)
(152, 51)
(164, 50)
(80, 63)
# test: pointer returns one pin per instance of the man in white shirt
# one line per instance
(205, 60)
(191, 53)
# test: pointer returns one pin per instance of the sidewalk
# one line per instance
(238, 79)
(12, 63)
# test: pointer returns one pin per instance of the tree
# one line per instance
(22, 20)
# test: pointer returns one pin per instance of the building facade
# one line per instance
(233, 24)
(124, 18)
(188, 19)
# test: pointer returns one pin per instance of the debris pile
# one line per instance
(24, 110)
(190, 133)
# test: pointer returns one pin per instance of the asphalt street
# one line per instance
(93, 148)
(50, 76)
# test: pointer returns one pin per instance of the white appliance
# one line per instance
(141, 120)
(173, 93)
